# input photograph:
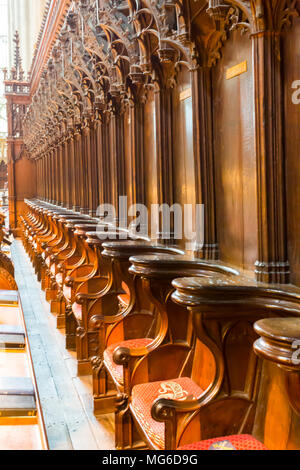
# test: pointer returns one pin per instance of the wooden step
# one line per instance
(21, 437)
(16, 386)
(17, 405)
(12, 342)
(12, 330)
(10, 315)
(14, 363)
(9, 297)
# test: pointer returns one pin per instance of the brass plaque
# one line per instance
(185, 94)
(236, 70)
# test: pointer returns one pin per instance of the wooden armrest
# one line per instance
(81, 298)
(279, 341)
(123, 355)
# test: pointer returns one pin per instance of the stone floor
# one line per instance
(66, 399)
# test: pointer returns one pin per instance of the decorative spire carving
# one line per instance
(18, 69)
(15, 81)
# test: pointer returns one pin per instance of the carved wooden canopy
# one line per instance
(110, 51)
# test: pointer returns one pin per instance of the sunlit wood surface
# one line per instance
(20, 437)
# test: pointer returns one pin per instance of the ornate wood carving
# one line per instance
(104, 59)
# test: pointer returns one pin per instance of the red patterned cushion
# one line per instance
(77, 310)
(241, 442)
(116, 370)
(144, 395)
(59, 278)
(67, 291)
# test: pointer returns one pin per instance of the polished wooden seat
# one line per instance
(131, 357)
(73, 266)
(277, 337)
(84, 286)
(224, 312)
(144, 395)
(95, 310)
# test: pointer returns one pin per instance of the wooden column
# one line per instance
(59, 180)
(66, 173)
(53, 156)
(77, 172)
(87, 168)
(204, 159)
(84, 169)
(272, 264)
(38, 174)
(52, 186)
(137, 138)
(42, 182)
(94, 168)
(55, 159)
(101, 149)
(58, 175)
(47, 171)
(117, 153)
(63, 173)
(44, 176)
(71, 163)
(49, 180)
(40, 178)
(107, 174)
(164, 123)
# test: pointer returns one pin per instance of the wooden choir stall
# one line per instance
(160, 210)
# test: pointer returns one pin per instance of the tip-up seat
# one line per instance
(144, 395)
(241, 442)
(116, 370)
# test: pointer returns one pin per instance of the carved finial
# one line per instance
(18, 59)
(17, 49)
(19, 72)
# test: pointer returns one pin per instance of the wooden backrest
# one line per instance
(223, 317)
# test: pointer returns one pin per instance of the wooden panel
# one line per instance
(128, 162)
(150, 151)
(233, 108)
(184, 168)
(20, 438)
(291, 58)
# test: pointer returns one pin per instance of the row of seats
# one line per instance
(168, 338)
